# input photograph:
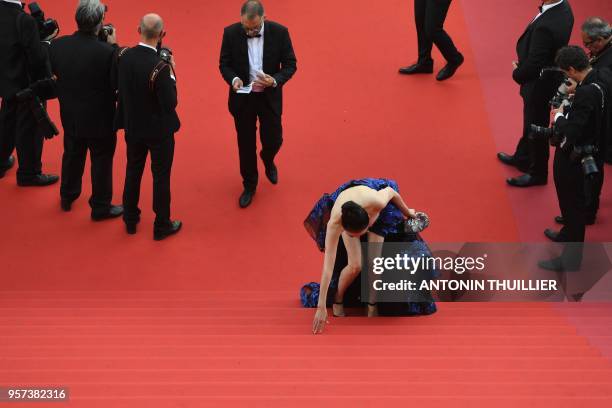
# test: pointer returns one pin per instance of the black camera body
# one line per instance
(584, 155)
(46, 27)
(105, 31)
(165, 54)
(550, 134)
(31, 95)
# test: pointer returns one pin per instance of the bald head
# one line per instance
(151, 27)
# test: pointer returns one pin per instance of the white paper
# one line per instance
(245, 89)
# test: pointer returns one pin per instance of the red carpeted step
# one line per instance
(95, 375)
(409, 349)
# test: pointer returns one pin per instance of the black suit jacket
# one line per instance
(538, 46)
(144, 112)
(278, 61)
(22, 57)
(587, 122)
(85, 70)
(604, 59)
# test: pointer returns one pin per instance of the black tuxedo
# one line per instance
(429, 18)
(586, 123)
(148, 114)
(604, 61)
(85, 69)
(537, 49)
(278, 61)
(23, 60)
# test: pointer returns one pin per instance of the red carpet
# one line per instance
(210, 318)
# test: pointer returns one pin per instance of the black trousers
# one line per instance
(18, 129)
(162, 156)
(530, 153)
(593, 186)
(429, 17)
(256, 107)
(101, 151)
(570, 185)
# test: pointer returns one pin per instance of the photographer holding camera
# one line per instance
(579, 137)
(147, 112)
(87, 96)
(597, 38)
(23, 62)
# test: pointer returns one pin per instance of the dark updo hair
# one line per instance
(354, 217)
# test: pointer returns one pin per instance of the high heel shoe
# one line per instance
(372, 309)
(340, 313)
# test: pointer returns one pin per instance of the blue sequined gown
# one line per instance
(388, 225)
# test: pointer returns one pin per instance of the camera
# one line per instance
(46, 27)
(105, 31)
(165, 54)
(584, 154)
(562, 97)
(549, 133)
(31, 95)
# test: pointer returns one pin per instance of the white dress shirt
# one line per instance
(545, 8)
(18, 2)
(256, 47)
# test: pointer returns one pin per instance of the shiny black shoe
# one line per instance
(506, 158)
(526, 180)
(7, 166)
(418, 68)
(174, 228)
(560, 220)
(66, 205)
(115, 211)
(40, 180)
(555, 265)
(272, 173)
(130, 228)
(246, 198)
(554, 236)
(449, 69)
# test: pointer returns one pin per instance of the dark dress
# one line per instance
(387, 223)
(390, 225)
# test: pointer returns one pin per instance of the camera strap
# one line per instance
(161, 65)
(603, 95)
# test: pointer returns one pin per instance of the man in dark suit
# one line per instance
(147, 112)
(429, 17)
(258, 55)
(597, 38)
(536, 48)
(583, 125)
(23, 60)
(87, 105)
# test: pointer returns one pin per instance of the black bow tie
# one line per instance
(254, 36)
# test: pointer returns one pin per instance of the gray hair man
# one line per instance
(87, 95)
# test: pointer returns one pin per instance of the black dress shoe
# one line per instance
(449, 69)
(554, 236)
(7, 166)
(175, 227)
(418, 68)
(272, 173)
(115, 211)
(40, 180)
(506, 158)
(246, 198)
(560, 220)
(555, 265)
(130, 228)
(526, 180)
(66, 205)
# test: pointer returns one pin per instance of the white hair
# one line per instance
(89, 15)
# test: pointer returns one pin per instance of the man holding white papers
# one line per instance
(257, 59)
